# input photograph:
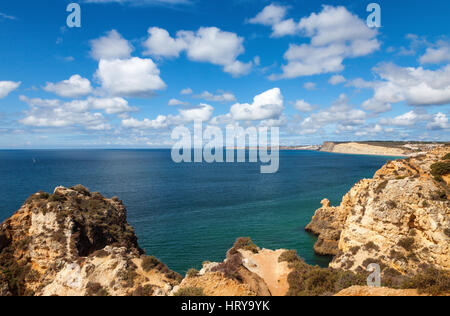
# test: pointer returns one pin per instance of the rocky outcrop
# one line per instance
(247, 271)
(400, 219)
(74, 242)
(327, 223)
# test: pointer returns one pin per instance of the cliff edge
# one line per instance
(400, 219)
(76, 243)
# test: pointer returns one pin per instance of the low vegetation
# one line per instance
(95, 289)
(231, 267)
(431, 281)
(146, 290)
(371, 246)
(192, 273)
(149, 263)
(306, 280)
(407, 243)
(439, 169)
(190, 292)
(244, 244)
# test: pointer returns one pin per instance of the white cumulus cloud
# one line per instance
(6, 87)
(335, 34)
(111, 46)
(75, 86)
(207, 44)
(129, 77)
(438, 54)
(337, 79)
(266, 106)
(415, 86)
(220, 97)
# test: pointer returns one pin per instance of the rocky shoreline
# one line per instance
(78, 243)
(399, 219)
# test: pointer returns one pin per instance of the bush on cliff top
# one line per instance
(307, 280)
(431, 281)
(244, 244)
(149, 263)
(446, 157)
(439, 169)
(96, 289)
(192, 273)
(81, 189)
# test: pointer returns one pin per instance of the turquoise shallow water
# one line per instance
(189, 213)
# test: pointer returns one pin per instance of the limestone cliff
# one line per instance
(75, 242)
(400, 219)
(395, 149)
(246, 271)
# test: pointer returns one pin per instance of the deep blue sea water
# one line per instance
(185, 214)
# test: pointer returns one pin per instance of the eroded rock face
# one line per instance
(75, 242)
(399, 219)
(327, 223)
(247, 271)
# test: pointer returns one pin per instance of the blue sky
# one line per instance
(138, 68)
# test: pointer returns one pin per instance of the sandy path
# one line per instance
(265, 264)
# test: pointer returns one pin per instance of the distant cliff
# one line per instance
(364, 149)
(400, 219)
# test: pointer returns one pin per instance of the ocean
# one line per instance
(185, 214)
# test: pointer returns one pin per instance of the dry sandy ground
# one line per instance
(376, 291)
(265, 264)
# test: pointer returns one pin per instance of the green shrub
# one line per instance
(192, 273)
(289, 256)
(231, 267)
(149, 263)
(391, 204)
(431, 281)
(172, 275)
(190, 292)
(397, 255)
(56, 197)
(371, 246)
(128, 276)
(95, 289)
(355, 250)
(446, 157)
(439, 169)
(146, 290)
(306, 280)
(40, 196)
(244, 244)
(81, 189)
(407, 243)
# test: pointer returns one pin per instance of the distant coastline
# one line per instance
(368, 148)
